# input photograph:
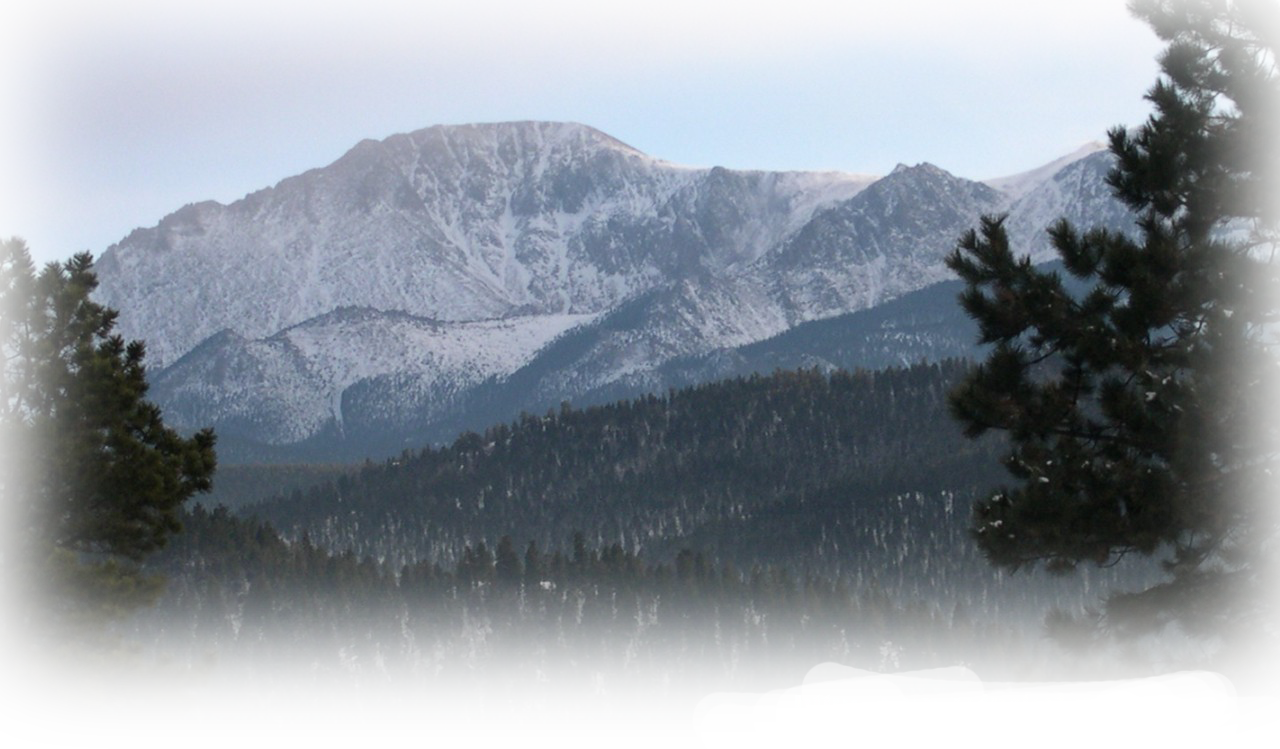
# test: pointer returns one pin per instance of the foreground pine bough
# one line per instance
(93, 479)
(1138, 409)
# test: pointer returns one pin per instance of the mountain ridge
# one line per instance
(471, 233)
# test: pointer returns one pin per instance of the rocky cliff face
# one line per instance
(383, 289)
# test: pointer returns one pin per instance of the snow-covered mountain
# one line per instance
(290, 386)
(376, 295)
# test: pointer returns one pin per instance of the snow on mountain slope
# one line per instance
(889, 239)
(1077, 192)
(1018, 185)
(377, 293)
(289, 386)
(451, 223)
(885, 241)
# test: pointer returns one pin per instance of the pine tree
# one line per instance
(1132, 406)
(97, 480)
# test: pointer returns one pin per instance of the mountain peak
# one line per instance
(535, 133)
(1017, 185)
(394, 270)
(549, 130)
(922, 168)
(525, 139)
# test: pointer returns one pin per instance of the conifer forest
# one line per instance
(821, 421)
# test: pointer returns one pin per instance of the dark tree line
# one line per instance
(859, 477)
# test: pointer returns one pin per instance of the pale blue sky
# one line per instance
(121, 112)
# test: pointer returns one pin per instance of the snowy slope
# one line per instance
(450, 223)
(291, 385)
(1016, 186)
(378, 293)
(1077, 192)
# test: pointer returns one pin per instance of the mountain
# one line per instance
(422, 280)
(237, 382)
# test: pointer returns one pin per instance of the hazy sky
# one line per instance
(118, 113)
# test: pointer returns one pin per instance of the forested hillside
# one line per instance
(520, 648)
(241, 484)
(854, 475)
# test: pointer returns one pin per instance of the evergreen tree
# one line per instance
(96, 480)
(1132, 406)
(241, 590)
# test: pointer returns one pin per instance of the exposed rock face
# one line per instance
(384, 289)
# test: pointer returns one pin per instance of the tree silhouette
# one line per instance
(97, 479)
(1132, 406)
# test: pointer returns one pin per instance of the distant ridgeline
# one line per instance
(862, 478)
(520, 648)
(448, 279)
(924, 325)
